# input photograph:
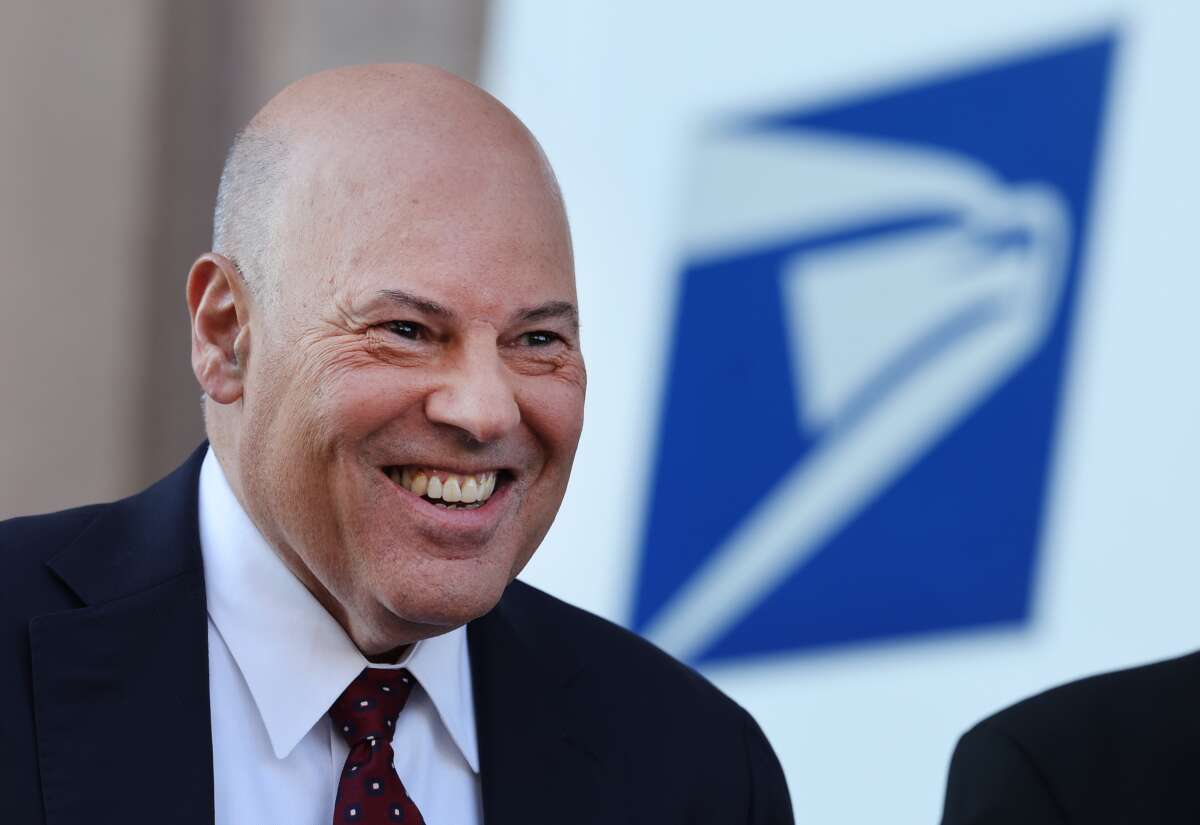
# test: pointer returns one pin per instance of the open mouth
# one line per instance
(452, 491)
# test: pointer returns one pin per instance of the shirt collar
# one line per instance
(295, 657)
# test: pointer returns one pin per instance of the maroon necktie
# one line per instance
(369, 791)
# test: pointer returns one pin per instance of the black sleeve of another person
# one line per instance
(993, 781)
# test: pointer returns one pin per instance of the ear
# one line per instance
(219, 303)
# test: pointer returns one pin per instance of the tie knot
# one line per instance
(367, 709)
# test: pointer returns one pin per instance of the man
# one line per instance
(314, 620)
(1121, 747)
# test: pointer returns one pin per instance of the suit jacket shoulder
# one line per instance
(96, 603)
(1117, 747)
(656, 679)
(28, 587)
(642, 725)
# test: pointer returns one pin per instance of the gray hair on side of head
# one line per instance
(249, 197)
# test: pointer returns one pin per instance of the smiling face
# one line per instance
(413, 393)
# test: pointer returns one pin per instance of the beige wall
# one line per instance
(115, 121)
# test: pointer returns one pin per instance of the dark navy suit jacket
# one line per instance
(1120, 748)
(104, 690)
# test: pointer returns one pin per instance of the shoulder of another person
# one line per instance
(1143, 701)
(1097, 748)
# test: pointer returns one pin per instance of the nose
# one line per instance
(476, 397)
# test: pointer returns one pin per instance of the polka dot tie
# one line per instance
(370, 791)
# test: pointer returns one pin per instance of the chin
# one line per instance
(445, 603)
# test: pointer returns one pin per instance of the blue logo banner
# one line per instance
(873, 315)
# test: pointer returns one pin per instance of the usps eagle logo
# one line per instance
(874, 310)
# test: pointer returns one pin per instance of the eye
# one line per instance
(540, 338)
(407, 329)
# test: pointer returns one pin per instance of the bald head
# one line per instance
(332, 137)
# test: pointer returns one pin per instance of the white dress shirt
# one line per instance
(277, 662)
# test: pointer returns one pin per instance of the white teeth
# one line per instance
(451, 488)
(470, 491)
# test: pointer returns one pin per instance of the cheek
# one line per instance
(349, 395)
(373, 400)
(553, 411)
(288, 391)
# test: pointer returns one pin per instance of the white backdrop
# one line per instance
(616, 91)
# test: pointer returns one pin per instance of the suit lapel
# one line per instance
(541, 761)
(121, 684)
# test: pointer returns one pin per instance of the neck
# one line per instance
(388, 657)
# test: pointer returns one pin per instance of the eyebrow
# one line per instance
(410, 301)
(547, 311)
(551, 310)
